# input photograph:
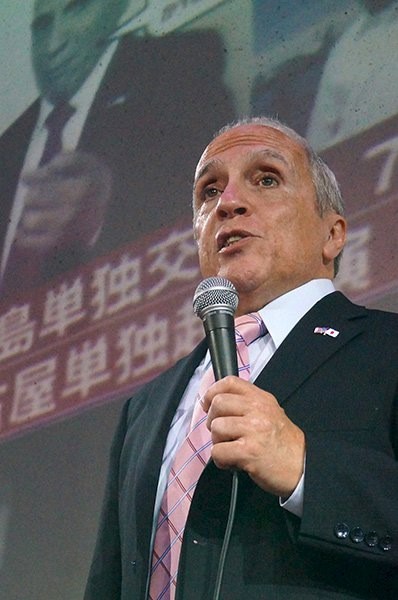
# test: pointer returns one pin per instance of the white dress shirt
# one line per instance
(279, 316)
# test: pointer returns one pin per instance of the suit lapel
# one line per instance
(167, 400)
(303, 351)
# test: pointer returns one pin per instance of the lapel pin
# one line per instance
(327, 331)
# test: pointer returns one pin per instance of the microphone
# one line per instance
(215, 302)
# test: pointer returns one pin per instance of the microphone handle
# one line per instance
(220, 332)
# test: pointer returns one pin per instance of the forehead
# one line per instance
(44, 6)
(248, 140)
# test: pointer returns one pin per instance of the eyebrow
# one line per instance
(267, 153)
(205, 169)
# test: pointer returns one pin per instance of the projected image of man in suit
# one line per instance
(77, 182)
(62, 198)
(312, 435)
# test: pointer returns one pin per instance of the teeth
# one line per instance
(232, 239)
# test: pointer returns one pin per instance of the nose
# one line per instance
(231, 202)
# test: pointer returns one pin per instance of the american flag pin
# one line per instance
(327, 331)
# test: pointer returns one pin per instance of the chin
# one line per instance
(242, 280)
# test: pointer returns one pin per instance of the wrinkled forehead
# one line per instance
(63, 6)
(257, 136)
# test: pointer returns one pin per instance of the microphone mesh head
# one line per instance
(215, 293)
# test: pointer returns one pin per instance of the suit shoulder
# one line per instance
(385, 319)
(357, 310)
(381, 331)
(21, 127)
(178, 47)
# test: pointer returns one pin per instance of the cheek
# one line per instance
(206, 256)
(196, 227)
(200, 228)
(39, 55)
(292, 233)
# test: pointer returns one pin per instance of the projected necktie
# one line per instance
(189, 462)
(55, 123)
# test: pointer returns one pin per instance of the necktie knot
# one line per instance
(55, 123)
(59, 116)
(249, 328)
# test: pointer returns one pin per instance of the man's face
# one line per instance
(68, 37)
(255, 216)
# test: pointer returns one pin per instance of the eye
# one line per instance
(210, 192)
(269, 181)
(203, 195)
(41, 22)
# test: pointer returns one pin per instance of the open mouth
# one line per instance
(229, 239)
(232, 240)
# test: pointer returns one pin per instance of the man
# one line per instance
(358, 87)
(313, 439)
(106, 106)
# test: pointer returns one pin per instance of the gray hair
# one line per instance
(327, 190)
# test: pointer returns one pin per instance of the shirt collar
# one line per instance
(283, 313)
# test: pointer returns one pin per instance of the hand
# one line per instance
(65, 202)
(251, 432)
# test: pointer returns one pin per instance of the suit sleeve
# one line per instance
(104, 581)
(350, 500)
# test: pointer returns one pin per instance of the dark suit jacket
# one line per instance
(342, 392)
(158, 106)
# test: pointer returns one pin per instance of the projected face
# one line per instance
(68, 37)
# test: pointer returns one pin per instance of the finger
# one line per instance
(40, 228)
(226, 405)
(53, 217)
(227, 385)
(50, 195)
(227, 455)
(225, 429)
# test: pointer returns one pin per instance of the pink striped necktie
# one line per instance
(190, 460)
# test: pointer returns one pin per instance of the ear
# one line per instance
(336, 236)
